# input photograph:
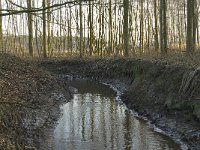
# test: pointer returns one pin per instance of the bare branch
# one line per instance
(14, 12)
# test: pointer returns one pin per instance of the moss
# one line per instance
(196, 111)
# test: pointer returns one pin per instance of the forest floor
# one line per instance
(29, 102)
(165, 91)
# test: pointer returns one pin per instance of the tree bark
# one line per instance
(44, 29)
(81, 28)
(141, 27)
(1, 30)
(48, 28)
(30, 27)
(156, 26)
(90, 26)
(126, 28)
(190, 26)
(163, 27)
(110, 42)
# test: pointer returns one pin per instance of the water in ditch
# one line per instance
(94, 120)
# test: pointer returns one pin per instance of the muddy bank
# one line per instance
(29, 102)
(166, 94)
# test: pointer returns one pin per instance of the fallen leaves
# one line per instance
(24, 91)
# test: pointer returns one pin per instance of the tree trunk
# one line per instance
(30, 27)
(44, 29)
(110, 42)
(141, 26)
(48, 29)
(81, 28)
(163, 27)
(1, 30)
(90, 25)
(189, 42)
(156, 26)
(195, 22)
(126, 28)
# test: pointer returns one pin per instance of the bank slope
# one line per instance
(29, 100)
(167, 94)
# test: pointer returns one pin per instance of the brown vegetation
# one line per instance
(26, 96)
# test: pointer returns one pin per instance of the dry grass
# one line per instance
(174, 57)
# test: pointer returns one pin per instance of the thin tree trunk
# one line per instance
(163, 27)
(30, 27)
(1, 30)
(156, 26)
(110, 42)
(90, 25)
(126, 28)
(100, 28)
(148, 27)
(60, 31)
(141, 27)
(190, 34)
(48, 29)
(84, 35)
(70, 43)
(44, 29)
(195, 22)
(179, 25)
(36, 37)
(81, 28)
(102, 35)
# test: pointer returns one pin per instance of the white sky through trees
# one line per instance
(20, 20)
(176, 19)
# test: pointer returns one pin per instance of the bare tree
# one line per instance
(90, 26)
(141, 26)
(156, 26)
(163, 27)
(81, 28)
(190, 23)
(110, 42)
(126, 28)
(44, 29)
(1, 30)
(30, 27)
(48, 27)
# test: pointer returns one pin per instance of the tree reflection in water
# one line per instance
(95, 120)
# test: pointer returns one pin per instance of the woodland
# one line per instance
(100, 28)
(149, 50)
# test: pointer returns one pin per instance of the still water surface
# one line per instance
(94, 120)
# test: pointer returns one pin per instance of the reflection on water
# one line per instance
(93, 120)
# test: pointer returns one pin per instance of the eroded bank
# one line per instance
(167, 95)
